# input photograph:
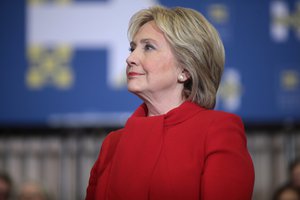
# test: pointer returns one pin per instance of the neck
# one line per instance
(159, 107)
(161, 102)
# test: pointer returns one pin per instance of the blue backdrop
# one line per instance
(62, 64)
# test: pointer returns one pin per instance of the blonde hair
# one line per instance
(196, 45)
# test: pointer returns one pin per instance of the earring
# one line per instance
(180, 77)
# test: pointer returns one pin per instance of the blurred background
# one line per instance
(63, 86)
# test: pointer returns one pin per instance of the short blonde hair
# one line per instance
(196, 45)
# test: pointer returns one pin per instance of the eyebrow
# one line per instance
(145, 40)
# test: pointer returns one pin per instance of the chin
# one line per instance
(133, 88)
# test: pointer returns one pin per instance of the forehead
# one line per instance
(150, 31)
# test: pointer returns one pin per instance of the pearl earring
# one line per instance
(180, 77)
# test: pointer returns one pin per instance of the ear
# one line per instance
(186, 73)
(183, 76)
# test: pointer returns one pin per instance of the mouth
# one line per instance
(133, 74)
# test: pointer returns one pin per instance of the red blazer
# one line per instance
(190, 153)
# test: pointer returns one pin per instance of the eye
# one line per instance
(148, 47)
(131, 49)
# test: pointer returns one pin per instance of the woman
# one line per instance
(287, 192)
(294, 173)
(6, 186)
(174, 146)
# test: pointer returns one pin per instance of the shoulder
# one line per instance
(224, 128)
(111, 140)
(200, 116)
(219, 125)
(216, 114)
(114, 135)
(217, 118)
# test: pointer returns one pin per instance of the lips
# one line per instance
(133, 74)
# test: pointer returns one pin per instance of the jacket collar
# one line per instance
(177, 115)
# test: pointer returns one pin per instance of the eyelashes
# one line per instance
(131, 49)
(147, 47)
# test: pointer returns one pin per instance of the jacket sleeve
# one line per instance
(91, 189)
(228, 171)
(97, 173)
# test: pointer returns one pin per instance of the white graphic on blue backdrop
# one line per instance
(283, 20)
(230, 92)
(81, 25)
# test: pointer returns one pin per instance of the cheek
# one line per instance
(164, 64)
(160, 71)
(160, 64)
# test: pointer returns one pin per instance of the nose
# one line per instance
(132, 59)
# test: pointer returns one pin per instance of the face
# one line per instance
(31, 191)
(152, 70)
(4, 190)
(296, 175)
(289, 195)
